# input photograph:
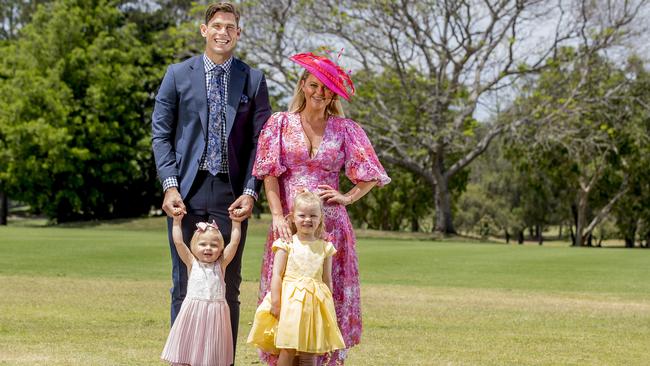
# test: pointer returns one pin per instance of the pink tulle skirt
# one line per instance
(201, 335)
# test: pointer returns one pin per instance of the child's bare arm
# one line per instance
(279, 265)
(231, 249)
(327, 272)
(177, 235)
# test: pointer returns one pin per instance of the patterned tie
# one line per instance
(215, 105)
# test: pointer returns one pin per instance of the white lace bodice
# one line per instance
(206, 281)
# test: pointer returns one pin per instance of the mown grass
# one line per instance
(96, 294)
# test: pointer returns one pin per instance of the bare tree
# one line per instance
(449, 57)
(273, 31)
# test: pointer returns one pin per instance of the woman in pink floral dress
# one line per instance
(306, 148)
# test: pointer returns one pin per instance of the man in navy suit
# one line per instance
(208, 115)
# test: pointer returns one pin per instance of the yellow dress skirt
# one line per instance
(307, 321)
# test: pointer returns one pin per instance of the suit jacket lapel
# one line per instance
(200, 92)
(235, 89)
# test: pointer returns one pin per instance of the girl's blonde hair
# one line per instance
(197, 234)
(298, 101)
(308, 198)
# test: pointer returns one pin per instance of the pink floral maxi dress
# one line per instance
(283, 152)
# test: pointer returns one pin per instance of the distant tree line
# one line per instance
(562, 141)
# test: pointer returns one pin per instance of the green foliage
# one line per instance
(600, 134)
(585, 137)
(633, 211)
(405, 204)
(75, 109)
(513, 188)
(476, 214)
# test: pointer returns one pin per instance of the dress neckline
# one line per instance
(305, 241)
(308, 141)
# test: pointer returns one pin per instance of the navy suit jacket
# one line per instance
(180, 122)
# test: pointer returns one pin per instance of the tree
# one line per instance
(591, 129)
(462, 51)
(632, 211)
(74, 109)
(14, 14)
(406, 206)
(513, 188)
(3, 208)
(272, 31)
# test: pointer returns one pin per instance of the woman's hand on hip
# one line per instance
(331, 195)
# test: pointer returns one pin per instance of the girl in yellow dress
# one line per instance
(297, 318)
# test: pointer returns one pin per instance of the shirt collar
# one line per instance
(209, 65)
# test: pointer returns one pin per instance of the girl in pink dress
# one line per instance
(306, 148)
(201, 334)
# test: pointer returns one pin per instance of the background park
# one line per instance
(514, 232)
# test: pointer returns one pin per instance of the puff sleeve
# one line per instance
(280, 244)
(329, 249)
(361, 162)
(268, 160)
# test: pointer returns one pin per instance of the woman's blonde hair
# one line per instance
(298, 100)
(308, 198)
(197, 234)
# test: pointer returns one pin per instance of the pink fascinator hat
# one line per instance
(327, 72)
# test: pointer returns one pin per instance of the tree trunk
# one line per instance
(574, 213)
(444, 223)
(630, 235)
(603, 212)
(520, 237)
(629, 242)
(507, 237)
(415, 225)
(581, 211)
(540, 237)
(385, 221)
(4, 208)
(559, 233)
(257, 210)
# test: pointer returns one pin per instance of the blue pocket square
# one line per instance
(244, 99)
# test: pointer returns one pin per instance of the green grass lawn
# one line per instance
(97, 294)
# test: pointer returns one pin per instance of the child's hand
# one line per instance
(238, 212)
(178, 214)
(242, 208)
(275, 309)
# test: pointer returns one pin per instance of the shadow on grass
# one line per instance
(37, 221)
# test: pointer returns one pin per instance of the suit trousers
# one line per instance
(207, 200)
